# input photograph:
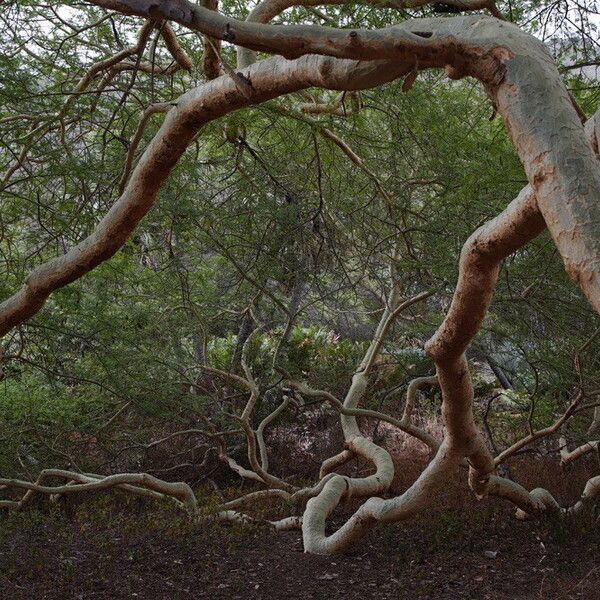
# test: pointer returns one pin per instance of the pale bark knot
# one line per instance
(543, 172)
(501, 53)
(325, 67)
(229, 35)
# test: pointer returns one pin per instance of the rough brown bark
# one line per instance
(211, 60)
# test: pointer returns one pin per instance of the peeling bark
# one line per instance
(211, 61)
(527, 91)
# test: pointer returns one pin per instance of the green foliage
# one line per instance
(34, 403)
(37, 412)
(263, 211)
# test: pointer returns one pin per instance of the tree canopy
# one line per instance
(199, 239)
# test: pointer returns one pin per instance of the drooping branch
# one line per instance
(516, 70)
(266, 10)
(174, 47)
(161, 107)
(508, 80)
(211, 60)
(541, 433)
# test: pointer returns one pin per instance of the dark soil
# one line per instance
(100, 549)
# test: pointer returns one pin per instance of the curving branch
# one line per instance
(402, 42)
(211, 60)
(403, 425)
(411, 395)
(266, 10)
(260, 430)
(46, 125)
(161, 107)
(541, 433)
(567, 457)
(338, 487)
(525, 88)
(137, 483)
(174, 47)
(194, 109)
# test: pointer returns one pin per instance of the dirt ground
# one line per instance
(103, 550)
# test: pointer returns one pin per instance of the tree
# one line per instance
(545, 125)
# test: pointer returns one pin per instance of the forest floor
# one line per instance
(100, 549)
